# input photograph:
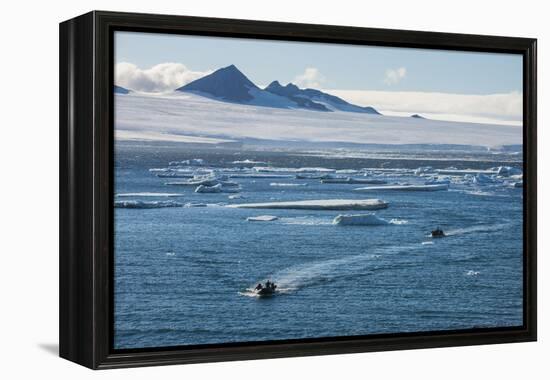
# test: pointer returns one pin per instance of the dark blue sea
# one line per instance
(183, 274)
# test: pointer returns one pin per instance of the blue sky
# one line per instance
(439, 84)
(342, 67)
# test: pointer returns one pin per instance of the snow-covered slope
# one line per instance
(121, 90)
(229, 84)
(315, 99)
(188, 117)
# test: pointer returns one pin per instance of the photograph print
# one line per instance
(285, 191)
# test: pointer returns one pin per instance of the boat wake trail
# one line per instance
(297, 277)
(477, 228)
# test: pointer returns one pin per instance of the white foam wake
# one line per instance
(476, 228)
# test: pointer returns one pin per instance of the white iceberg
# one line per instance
(436, 187)
(262, 218)
(506, 171)
(482, 179)
(219, 188)
(209, 189)
(320, 204)
(359, 220)
(146, 204)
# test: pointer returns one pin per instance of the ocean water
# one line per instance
(183, 274)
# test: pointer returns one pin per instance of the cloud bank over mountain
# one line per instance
(504, 108)
(159, 78)
(311, 78)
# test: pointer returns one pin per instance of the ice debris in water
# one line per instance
(506, 171)
(423, 169)
(192, 161)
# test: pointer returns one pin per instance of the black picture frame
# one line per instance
(86, 187)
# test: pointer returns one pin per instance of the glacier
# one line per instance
(190, 118)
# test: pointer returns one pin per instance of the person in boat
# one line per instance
(438, 232)
(259, 287)
(268, 284)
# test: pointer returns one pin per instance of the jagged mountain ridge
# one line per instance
(229, 84)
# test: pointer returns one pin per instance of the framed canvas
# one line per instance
(235, 189)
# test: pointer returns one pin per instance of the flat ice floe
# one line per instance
(355, 181)
(284, 184)
(465, 171)
(320, 204)
(149, 194)
(405, 188)
(359, 220)
(144, 204)
(260, 176)
(272, 169)
(216, 189)
(262, 218)
(209, 189)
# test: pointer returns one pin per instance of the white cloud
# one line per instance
(394, 76)
(506, 108)
(311, 77)
(159, 78)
